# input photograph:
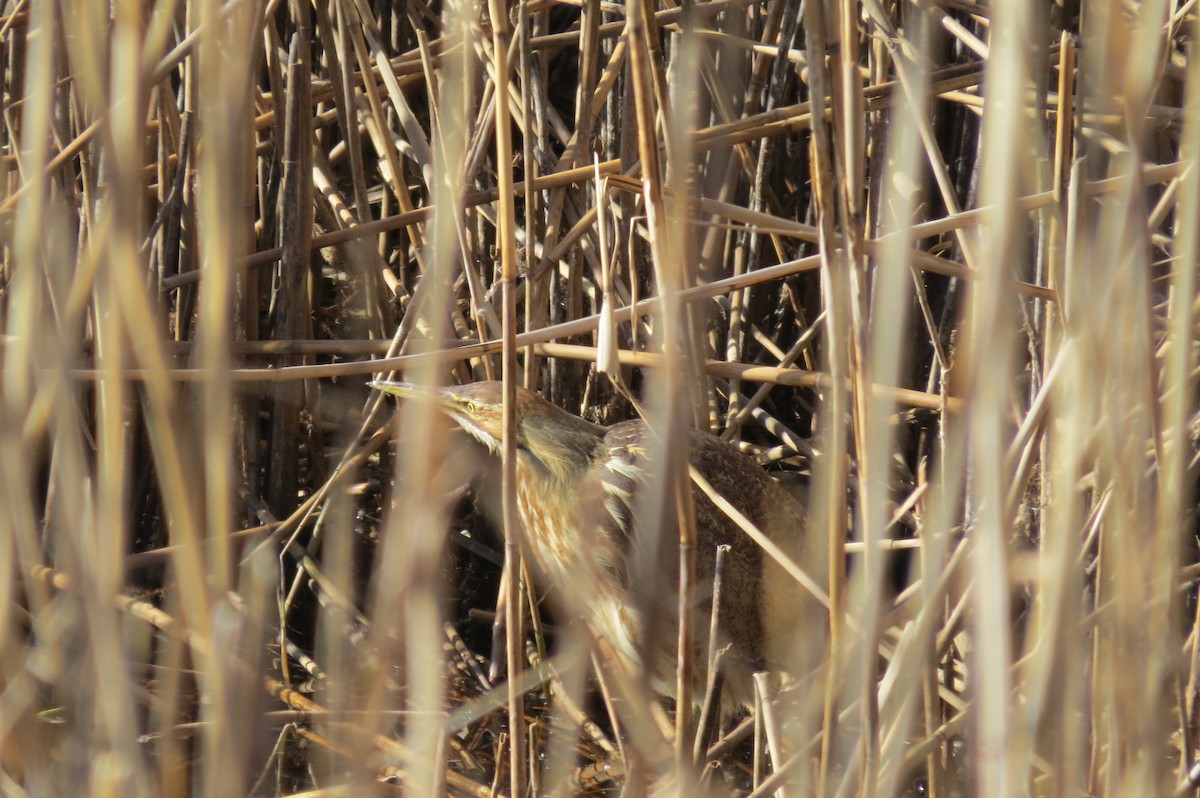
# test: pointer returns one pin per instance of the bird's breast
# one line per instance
(551, 525)
(560, 530)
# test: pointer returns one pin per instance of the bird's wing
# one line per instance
(621, 466)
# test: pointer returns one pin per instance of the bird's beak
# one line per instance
(408, 390)
(393, 387)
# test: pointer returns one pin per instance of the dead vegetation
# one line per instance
(933, 261)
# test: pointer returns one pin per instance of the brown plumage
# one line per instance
(578, 496)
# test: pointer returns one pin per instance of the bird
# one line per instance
(577, 486)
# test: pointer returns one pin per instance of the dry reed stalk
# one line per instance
(939, 258)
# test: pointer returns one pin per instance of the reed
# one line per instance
(932, 263)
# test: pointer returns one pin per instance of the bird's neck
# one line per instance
(562, 452)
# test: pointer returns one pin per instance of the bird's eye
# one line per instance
(471, 407)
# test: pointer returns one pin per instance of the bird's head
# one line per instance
(551, 438)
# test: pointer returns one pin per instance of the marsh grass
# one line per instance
(934, 263)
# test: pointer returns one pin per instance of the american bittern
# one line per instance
(577, 493)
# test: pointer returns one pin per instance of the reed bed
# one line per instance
(931, 262)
